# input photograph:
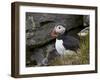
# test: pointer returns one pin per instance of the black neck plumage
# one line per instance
(60, 36)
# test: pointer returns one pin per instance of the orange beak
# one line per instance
(54, 34)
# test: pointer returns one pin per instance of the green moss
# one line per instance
(84, 48)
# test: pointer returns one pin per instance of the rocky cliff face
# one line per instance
(39, 43)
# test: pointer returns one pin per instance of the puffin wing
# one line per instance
(70, 43)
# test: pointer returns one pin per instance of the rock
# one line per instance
(39, 55)
(52, 55)
(86, 20)
(84, 32)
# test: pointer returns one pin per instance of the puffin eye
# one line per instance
(59, 27)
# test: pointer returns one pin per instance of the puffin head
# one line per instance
(58, 30)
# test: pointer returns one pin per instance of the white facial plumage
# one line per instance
(60, 29)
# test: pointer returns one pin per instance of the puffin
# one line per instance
(65, 44)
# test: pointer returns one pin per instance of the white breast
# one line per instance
(59, 47)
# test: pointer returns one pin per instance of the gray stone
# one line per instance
(86, 20)
(38, 56)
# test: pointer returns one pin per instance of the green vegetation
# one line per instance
(84, 48)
